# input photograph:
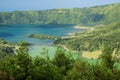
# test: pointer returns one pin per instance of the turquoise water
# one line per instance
(38, 50)
(16, 33)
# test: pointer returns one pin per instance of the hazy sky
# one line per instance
(12, 5)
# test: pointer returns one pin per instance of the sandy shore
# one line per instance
(71, 34)
(81, 27)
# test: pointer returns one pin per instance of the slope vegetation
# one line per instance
(96, 39)
(83, 16)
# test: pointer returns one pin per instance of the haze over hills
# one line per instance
(82, 16)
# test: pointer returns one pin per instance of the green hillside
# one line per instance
(83, 16)
(95, 39)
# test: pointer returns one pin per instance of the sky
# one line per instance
(13, 5)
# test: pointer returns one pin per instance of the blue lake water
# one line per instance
(16, 33)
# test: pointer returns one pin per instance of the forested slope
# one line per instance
(83, 16)
(95, 39)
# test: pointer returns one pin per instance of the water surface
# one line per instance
(16, 33)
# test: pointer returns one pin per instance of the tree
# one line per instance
(107, 60)
(62, 61)
(24, 66)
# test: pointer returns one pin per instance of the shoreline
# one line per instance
(79, 27)
(64, 47)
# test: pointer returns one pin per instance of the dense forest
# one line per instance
(98, 15)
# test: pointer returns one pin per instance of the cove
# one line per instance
(20, 32)
(16, 33)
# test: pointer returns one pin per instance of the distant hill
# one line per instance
(82, 16)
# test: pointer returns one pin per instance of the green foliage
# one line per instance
(106, 70)
(23, 43)
(62, 61)
(107, 59)
(82, 16)
(80, 71)
(5, 49)
(62, 67)
(44, 70)
(42, 36)
(95, 39)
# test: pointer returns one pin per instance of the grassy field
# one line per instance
(91, 55)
